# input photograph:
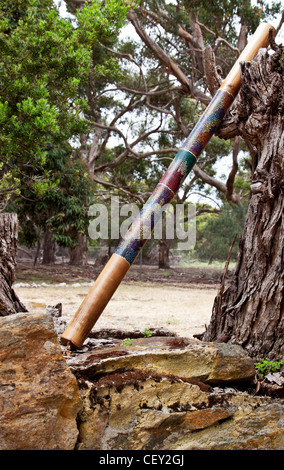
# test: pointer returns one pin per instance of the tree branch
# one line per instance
(172, 67)
(119, 188)
(233, 172)
(212, 78)
(219, 185)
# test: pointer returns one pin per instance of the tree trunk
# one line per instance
(250, 311)
(48, 256)
(9, 301)
(78, 255)
(164, 253)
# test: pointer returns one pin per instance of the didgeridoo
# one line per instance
(142, 227)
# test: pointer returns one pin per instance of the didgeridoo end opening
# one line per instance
(70, 344)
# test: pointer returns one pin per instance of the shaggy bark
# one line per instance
(250, 311)
(9, 301)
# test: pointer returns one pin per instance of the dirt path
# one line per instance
(135, 305)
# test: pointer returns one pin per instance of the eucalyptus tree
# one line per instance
(171, 60)
(187, 49)
(249, 311)
(165, 80)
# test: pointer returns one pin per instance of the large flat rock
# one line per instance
(210, 363)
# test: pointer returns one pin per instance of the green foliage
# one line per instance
(127, 342)
(147, 333)
(98, 26)
(215, 232)
(58, 203)
(224, 14)
(45, 64)
(42, 65)
(101, 21)
(265, 366)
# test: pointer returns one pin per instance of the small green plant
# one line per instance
(264, 366)
(127, 342)
(147, 333)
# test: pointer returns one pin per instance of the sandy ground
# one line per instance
(137, 305)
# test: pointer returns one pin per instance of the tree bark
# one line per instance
(48, 255)
(250, 311)
(78, 255)
(164, 253)
(9, 301)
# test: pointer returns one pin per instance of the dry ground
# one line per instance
(179, 299)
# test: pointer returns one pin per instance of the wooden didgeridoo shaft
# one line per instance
(142, 227)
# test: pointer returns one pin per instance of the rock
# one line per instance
(257, 424)
(172, 394)
(133, 411)
(39, 395)
(54, 310)
(184, 357)
(59, 322)
(157, 393)
(116, 333)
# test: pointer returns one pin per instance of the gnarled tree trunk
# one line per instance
(250, 311)
(9, 301)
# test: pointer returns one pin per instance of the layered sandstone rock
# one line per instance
(172, 394)
(189, 358)
(39, 398)
(168, 413)
(157, 393)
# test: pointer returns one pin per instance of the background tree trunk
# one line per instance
(250, 311)
(9, 301)
(164, 253)
(48, 255)
(79, 254)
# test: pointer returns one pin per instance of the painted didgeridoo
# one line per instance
(142, 227)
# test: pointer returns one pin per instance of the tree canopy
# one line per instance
(80, 104)
(45, 61)
(170, 69)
